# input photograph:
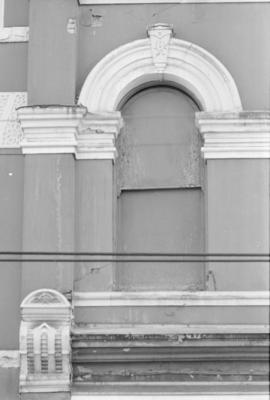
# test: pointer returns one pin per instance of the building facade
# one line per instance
(134, 218)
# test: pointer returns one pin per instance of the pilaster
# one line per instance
(96, 197)
(237, 151)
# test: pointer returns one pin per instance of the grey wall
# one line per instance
(48, 219)
(237, 34)
(52, 52)
(16, 12)
(11, 205)
(238, 220)
(13, 67)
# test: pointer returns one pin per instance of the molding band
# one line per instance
(170, 298)
(14, 34)
(235, 135)
(69, 129)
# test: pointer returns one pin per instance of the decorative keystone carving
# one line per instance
(160, 35)
(97, 134)
(45, 342)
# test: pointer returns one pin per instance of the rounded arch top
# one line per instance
(160, 59)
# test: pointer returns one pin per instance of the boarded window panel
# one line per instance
(161, 221)
(160, 201)
(159, 145)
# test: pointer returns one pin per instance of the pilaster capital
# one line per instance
(45, 343)
(49, 129)
(69, 129)
(97, 134)
(235, 134)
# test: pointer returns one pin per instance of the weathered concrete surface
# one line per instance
(231, 32)
(52, 52)
(162, 358)
(48, 219)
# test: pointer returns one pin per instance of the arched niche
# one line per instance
(158, 59)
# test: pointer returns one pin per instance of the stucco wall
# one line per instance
(11, 179)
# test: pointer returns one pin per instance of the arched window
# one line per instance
(160, 206)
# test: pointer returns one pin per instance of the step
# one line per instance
(157, 354)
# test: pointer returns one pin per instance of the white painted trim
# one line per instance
(91, 2)
(235, 135)
(9, 358)
(14, 34)
(169, 329)
(49, 129)
(170, 298)
(136, 64)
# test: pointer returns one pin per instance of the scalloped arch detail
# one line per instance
(45, 297)
(185, 65)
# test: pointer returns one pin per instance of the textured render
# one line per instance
(10, 130)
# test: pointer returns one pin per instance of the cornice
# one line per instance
(14, 34)
(69, 129)
(235, 135)
(97, 134)
(49, 129)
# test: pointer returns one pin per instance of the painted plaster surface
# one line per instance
(16, 12)
(13, 67)
(11, 177)
(244, 186)
(52, 68)
(48, 219)
(9, 383)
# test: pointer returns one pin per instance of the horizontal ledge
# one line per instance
(14, 34)
(157, 329)
(179, 391)
(170, 298)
